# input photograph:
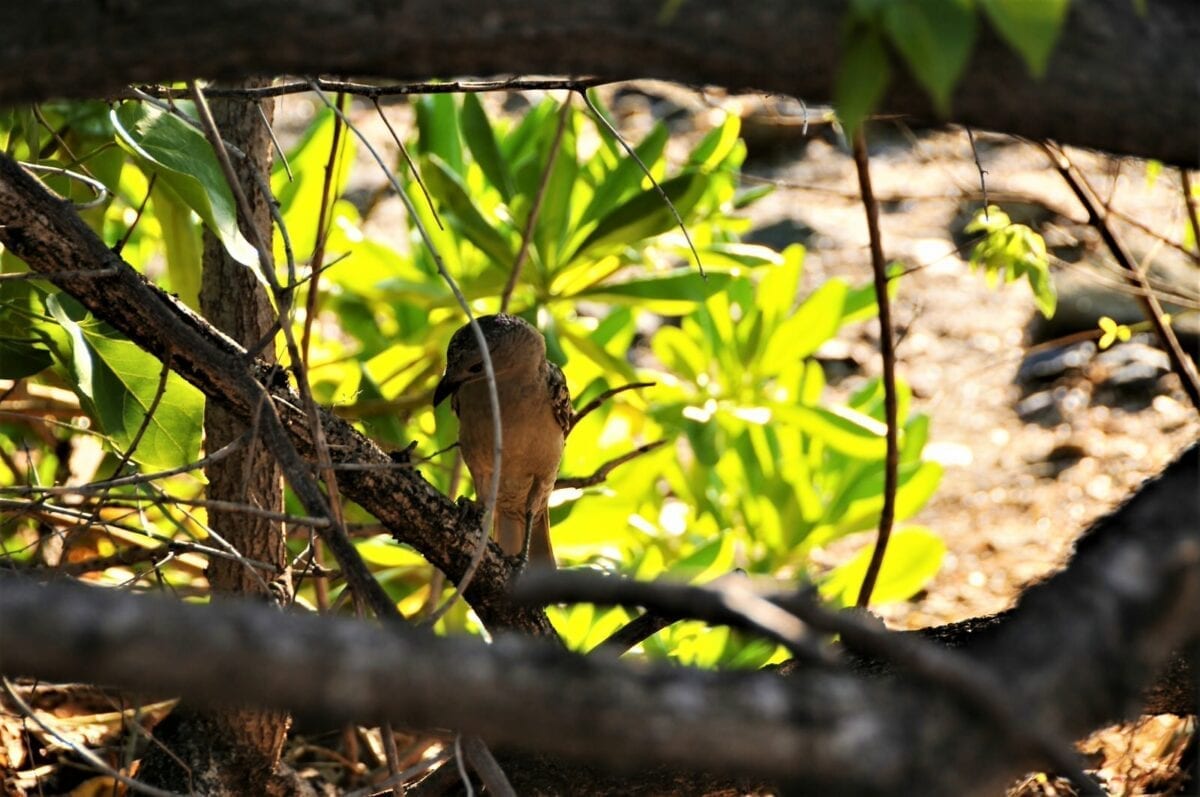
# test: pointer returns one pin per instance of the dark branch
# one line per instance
(1144, 105)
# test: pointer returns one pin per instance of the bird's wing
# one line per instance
(560, 397)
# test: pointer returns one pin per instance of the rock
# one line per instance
(1049, 364)
(1040, 408)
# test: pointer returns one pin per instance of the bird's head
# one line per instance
(513, 344)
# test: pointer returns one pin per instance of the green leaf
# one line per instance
(645, 215)
(22, 352)
(1010, 251)
(673, 293)
(22, 358)
(712, 560)
(184, 161)
(716, 144)
(841, 428)
(1030, 28)
(181, 240)
(450, 192)
(913, 557)
(119, 381)
(862, 77)
(437, 129)
(816, 321)
(481, 140)
(935, 37)
(627, 177)
(300, 197)
(383, 551)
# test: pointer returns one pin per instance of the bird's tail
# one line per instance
(509, 530)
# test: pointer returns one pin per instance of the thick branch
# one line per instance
(1117, 81)
(1074, 654)
(48, 235)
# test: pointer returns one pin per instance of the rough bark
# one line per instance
(48, 235)
(236, 750)
(1117, 81)
(1075, 654)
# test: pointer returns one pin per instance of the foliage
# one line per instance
(1009, 251)
(762, 469)
(934, 38)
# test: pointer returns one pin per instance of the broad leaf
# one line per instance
(183, 160)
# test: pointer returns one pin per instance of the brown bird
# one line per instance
(535, 416)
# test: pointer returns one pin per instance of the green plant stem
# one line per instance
(534, 211)
(887, 350)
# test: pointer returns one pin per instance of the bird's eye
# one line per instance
(476, 368)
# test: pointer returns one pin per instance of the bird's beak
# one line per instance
(444, 389)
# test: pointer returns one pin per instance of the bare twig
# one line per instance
(601, 473)
(404, 89)
(412, 165)
(887, 351)
(1190, 202)
(99, 188)
(20, 276)
(1180, 362)
(536, 209)
(401, 778)
(979, 167)
(120, 245)
(598, 401)
(461, 763)
(629, 150)
(124, 481)
(487, 767)
(324, 221)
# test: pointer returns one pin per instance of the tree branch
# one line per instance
(1144, 106)
(1075, 654)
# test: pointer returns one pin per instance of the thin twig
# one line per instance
(375, 92)
(324, 222)
(536, 209)
(460, 762)
(629, 150)
(100, 189)
(124, 481)
(120, 245)
(887, 351)
(982, 171)
(392, 755)
(487, 767)
(287, 167)
(1181, 364)
(601, 473)
(412, 166)
(598, 401)
(1190, 201)
(21, 276)
(402, 777)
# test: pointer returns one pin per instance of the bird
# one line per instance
(535, 417)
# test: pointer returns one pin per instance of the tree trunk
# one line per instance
(235, 751)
